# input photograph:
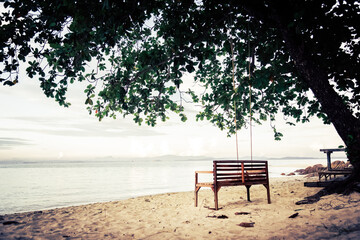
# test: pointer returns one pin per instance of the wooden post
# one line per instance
(196, 189)
(328, 154)
(215, 185)
(242, 172)
(268, 184)
(248, 192)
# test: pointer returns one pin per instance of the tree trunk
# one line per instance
(277, 15)
(316, 78)
(346, 125)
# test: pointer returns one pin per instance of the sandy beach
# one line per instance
(173, 216)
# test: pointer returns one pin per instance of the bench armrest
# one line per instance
(197, 173)
(204, 172)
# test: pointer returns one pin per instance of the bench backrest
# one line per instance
(240, 172)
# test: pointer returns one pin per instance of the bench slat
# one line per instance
(239, 165)
(240, 171)
(240, 161)
(254, 177)
(229, 177)
(229, 174)
(229, 183)
(254, 168)
(239, 168)
(228, 169)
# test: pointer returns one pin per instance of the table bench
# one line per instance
(234, 173)
(327, 173)
(333, 172)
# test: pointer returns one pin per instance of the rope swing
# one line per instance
(250, 109)
(235, 91)
(250, 101)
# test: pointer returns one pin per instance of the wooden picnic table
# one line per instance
(328, 152)
(327, 173)
(330, 171)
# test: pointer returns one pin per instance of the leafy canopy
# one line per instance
(135, 54)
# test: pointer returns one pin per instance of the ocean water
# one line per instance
(32, 186)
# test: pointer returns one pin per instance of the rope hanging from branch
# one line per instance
(250, 101)
(250, 110)
(235, 91)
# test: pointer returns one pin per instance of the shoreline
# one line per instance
(173, 216)
(121, 199)
(286, 177)
(98, 182)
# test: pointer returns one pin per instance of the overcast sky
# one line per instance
(33, 127)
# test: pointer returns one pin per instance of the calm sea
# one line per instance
(30, 186)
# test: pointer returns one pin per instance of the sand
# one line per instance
(173, 216)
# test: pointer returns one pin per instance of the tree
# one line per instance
(300, 58)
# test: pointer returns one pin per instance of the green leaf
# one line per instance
(89, 101)
(183, 117)
(10, 83)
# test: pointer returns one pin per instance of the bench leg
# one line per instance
(216, 199)
(196, 195)
(248, 192)
(268, 192)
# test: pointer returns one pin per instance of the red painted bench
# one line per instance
(234, 173)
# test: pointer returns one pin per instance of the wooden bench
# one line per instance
(334, 172)
(234, 173)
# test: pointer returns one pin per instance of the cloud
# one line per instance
(8, 143)
(78, 127)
